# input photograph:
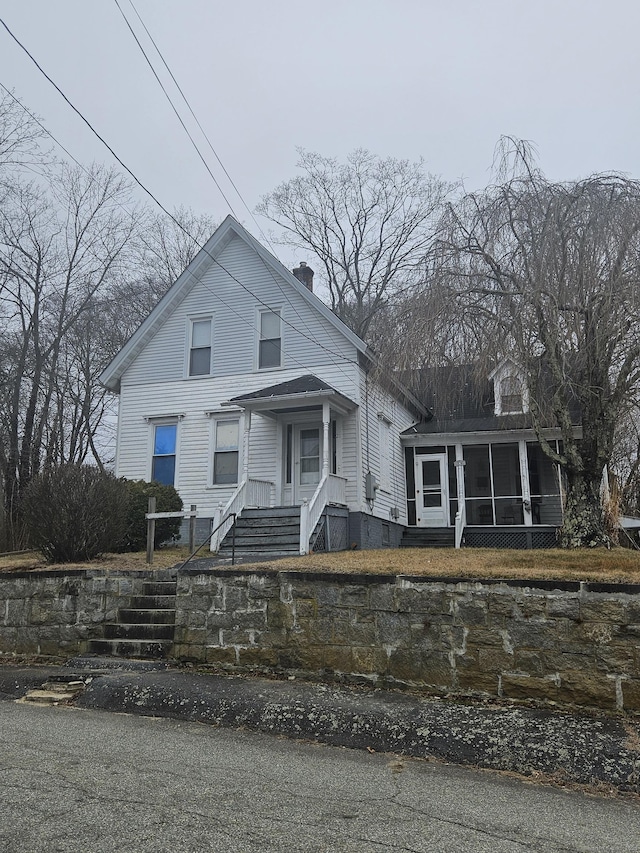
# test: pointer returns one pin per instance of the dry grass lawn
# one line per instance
(616, 566)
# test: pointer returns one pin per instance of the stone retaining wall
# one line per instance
(568, 643)
(565, 643)
(57, 612)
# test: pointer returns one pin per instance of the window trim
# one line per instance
(191, 321)
(218, 418)
(385, 460)
(154, 422)
(499, 393)
(276, 309)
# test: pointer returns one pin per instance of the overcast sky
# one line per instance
(438, 79)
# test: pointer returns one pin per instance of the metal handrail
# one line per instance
(210, 536)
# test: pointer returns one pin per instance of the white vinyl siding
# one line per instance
(377, 408)
(309, 341)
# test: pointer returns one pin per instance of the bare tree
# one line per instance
(20, 135)
(368, 221)
(162, 249)
(552, 271)
(62, 244)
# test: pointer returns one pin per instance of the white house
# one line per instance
(248, 394)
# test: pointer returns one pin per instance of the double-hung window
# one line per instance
(270, 341)
(225, 452)
(163, 465)
(200, 347)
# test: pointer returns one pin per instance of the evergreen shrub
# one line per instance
(167, 500)
(74, 513)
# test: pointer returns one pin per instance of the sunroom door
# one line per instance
(432, 499)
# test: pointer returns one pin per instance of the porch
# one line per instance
(498, 491)
(307, 420)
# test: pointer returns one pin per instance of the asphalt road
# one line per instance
(90, 781)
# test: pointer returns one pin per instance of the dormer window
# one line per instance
(511, 395)
(509, 390)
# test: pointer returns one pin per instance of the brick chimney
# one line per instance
(304, 274)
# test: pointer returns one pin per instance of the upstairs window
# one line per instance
(225, 452)
(270, 342)
(200, 348)
(163, 466)
(511, 395)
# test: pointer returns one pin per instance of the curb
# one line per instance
(588, 750)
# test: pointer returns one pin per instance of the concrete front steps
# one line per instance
(274, 531)
(428, 537)
(145, 628)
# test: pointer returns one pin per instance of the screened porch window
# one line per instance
(493, 484)
(544, 485)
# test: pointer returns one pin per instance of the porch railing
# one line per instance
(254, 493)
(331, 489)
(260, 493)
(337, 489)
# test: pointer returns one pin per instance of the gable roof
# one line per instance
(295, 393)
(208, 255)
(307, 384)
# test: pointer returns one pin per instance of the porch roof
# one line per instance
(304, 392)
(490, 423)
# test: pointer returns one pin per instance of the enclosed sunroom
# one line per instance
(479, 472)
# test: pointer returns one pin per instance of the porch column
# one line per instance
(524, 480)
(326, 422)
(245, 446)
(460, 466)
(460, 520)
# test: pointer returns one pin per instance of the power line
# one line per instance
(170, 215)
(202, 130)
(184, 97)
(173, 107)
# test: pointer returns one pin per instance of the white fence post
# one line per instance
(304, 527)
(192, 529)
(214, 542)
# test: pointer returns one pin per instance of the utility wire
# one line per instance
(131, 215)
(184, 98)
(173, 107)
(170, 215)
(202, 130)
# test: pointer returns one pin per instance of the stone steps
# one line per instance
(138, 631)
(54, 692)
(153, 650)
(145, 628)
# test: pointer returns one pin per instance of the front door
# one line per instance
(308, 460)
(432, 500)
